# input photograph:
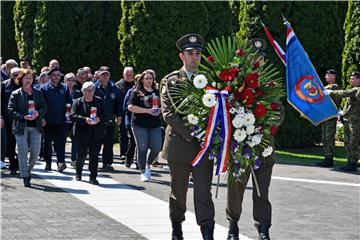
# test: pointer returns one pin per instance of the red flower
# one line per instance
(211, 59)
(271, 83)
(274, 106)
(256, 65)
(260, 110)
(274, 131)
(259, 92)
(237, 96)
(247, 97)
(228, 75)
(251, 80)
(240, 52)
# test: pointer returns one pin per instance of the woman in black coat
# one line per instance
(27, 107)
(87, 114)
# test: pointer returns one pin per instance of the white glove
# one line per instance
(327, 92)
(340, 113)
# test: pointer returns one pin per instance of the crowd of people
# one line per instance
(39, 112)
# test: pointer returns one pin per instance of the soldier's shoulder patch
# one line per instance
(172, 74)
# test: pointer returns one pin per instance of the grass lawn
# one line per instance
(309, 156)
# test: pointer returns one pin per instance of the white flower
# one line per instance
(251, 144)
(238, 122)
(239, 135)
(194, 120)
(209, 100)
(241, 110)
(249, 119)
(256, 139)
(267, 151)
(250, 129)
(214, 84)
(200, 81)
(232, 110)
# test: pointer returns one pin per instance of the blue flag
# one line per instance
(304, 88)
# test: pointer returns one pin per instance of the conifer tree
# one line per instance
(8, 43)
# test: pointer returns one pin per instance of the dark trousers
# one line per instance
(261, 204)
(56, 133)
(202, 177)
(3, 143)
(123, 138)
(88, 143)
(131, 146)
(74, 148)
(10, 146)
(108, 143)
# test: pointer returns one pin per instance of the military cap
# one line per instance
(259, 43)
(331, 71)
(355, 74)
(104, 69)
(190, 41)
(53, 69)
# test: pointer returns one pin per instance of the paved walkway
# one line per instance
(308, 203)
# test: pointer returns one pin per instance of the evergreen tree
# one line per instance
(220, 19)
(351, 56)
(8, 43)
(55, 35)
(318, 27)
(24, 16)
(149, 30)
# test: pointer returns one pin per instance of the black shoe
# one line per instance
(93, 181)
(12, 172)
(61, 167)
(137, 166)
(350, 167)
(233, 233)
(78, 177)
(107, 167)
(128, 165)
(207, 232)
(177, 233)
(48, 167)
(27, 182)
(263, 231)
(327, 162)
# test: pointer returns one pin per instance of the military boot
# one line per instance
(350, 167)
(207, 232)
(177, 233)
(233, 233)
(263, 231)
(327, 162)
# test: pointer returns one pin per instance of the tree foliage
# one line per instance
(351, 52)
(8, 43)
(149, 30)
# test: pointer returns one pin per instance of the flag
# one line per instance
(276, 46)
(303, 86)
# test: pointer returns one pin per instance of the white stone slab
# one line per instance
(144, 214)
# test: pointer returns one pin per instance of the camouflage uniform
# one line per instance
(351, 123)
(328, 128)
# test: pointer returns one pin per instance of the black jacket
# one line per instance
(80, 111)
(18, 108)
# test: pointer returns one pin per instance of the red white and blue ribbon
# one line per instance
(218, 112)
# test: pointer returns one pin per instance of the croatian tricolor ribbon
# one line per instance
(218, 112)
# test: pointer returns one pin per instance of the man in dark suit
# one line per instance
(180, 148)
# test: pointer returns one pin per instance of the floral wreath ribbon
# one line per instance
(219, 112)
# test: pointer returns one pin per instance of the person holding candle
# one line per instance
(27, 107)
(145, 121)
(88, 116)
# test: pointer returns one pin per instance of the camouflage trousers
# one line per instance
(352, 140)
(328, 132)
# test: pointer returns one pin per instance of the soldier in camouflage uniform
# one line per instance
(351, 120)
(180, 148)
(328, 128)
